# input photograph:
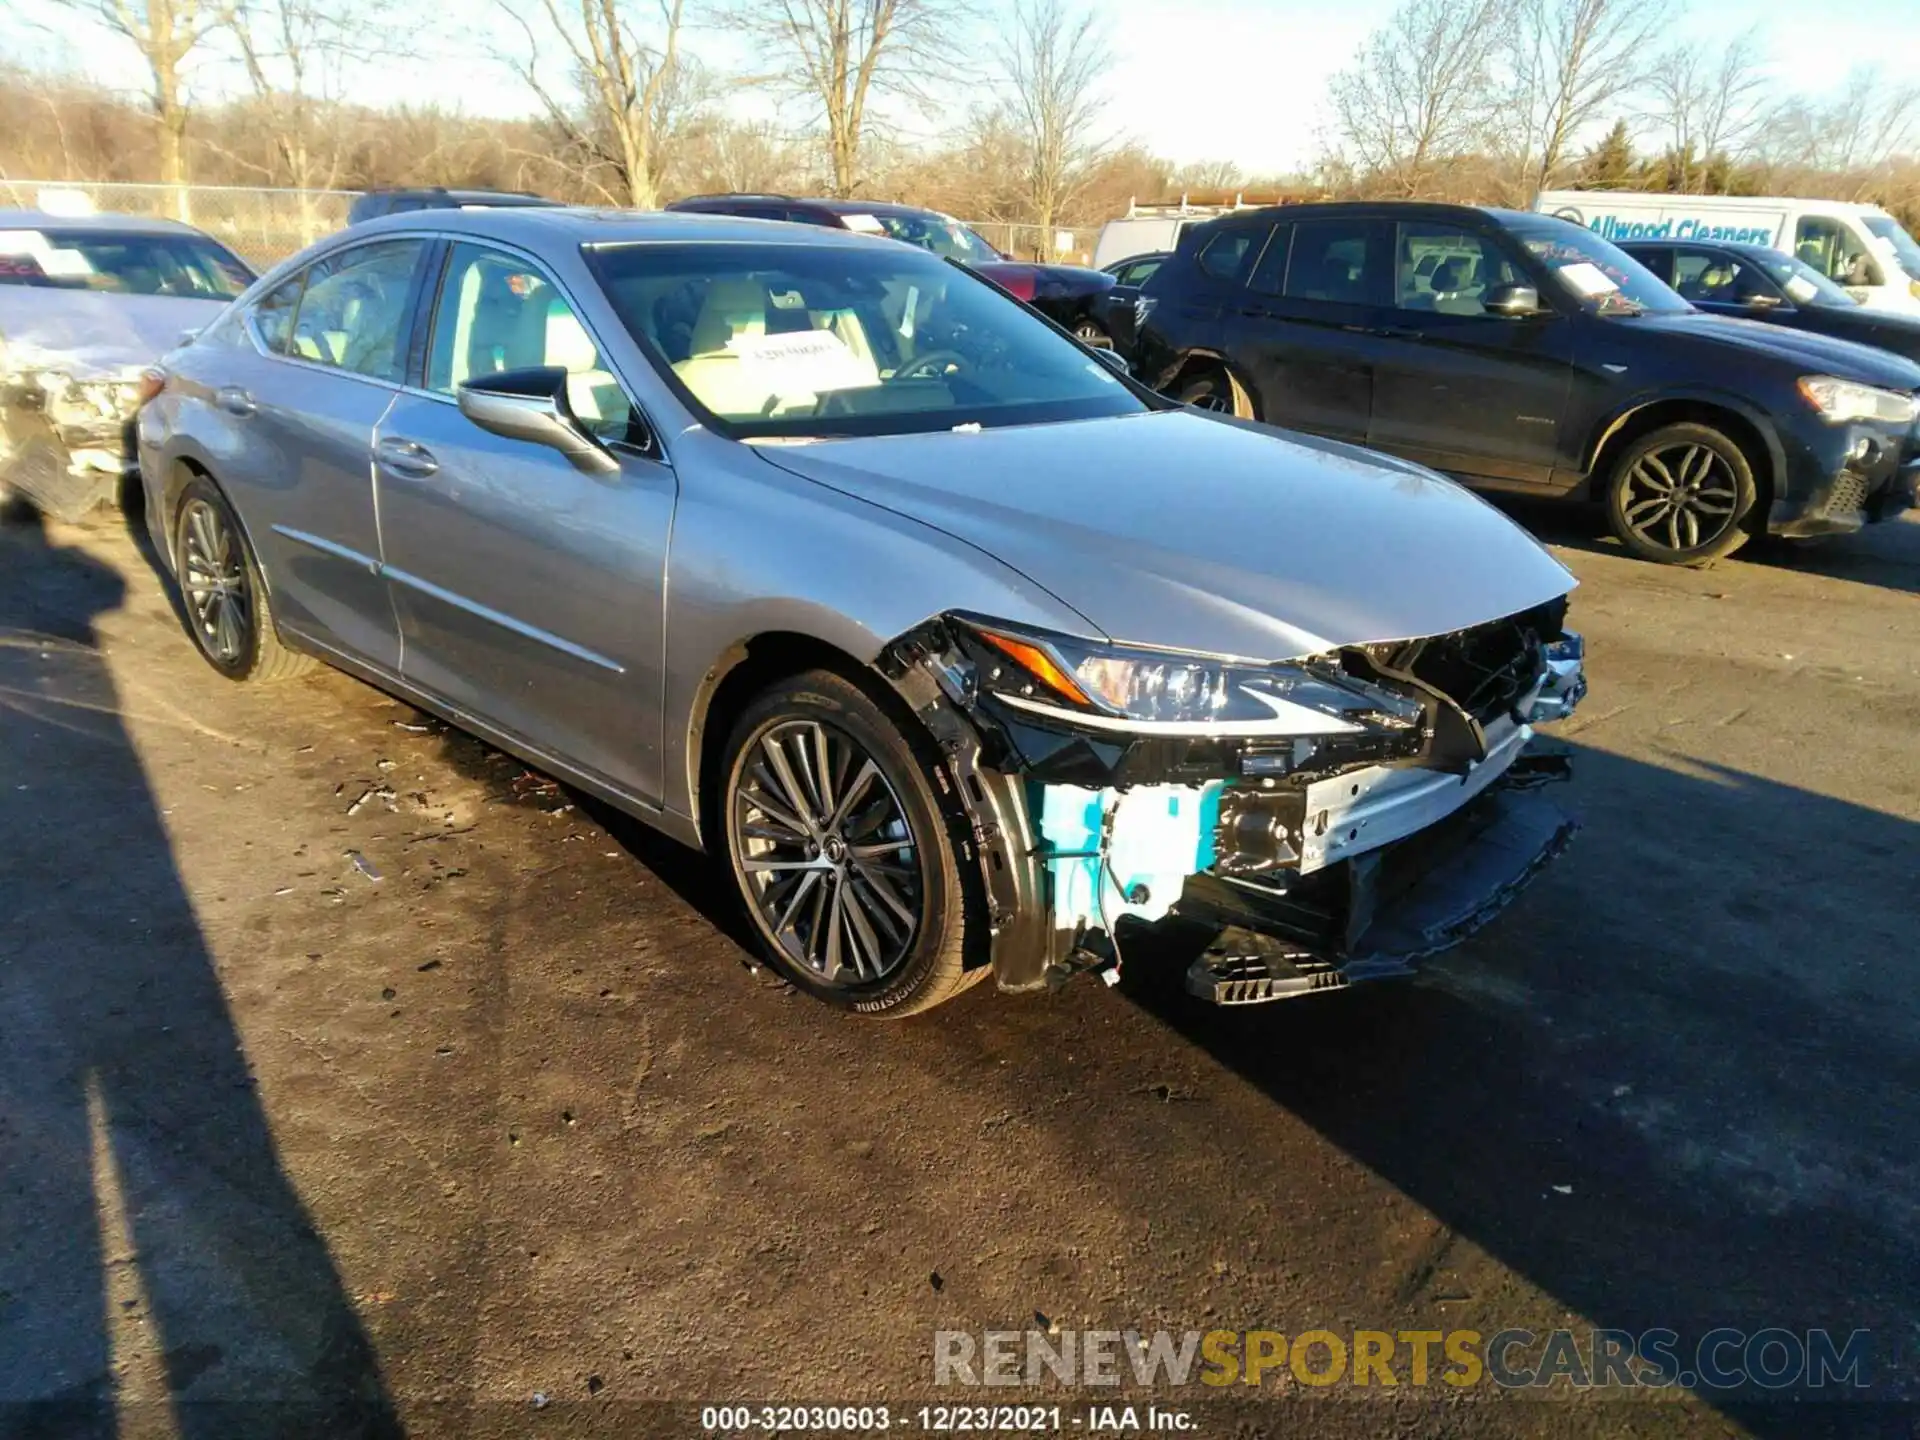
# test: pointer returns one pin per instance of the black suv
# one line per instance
(1522, 353)
(1756, 283)
(371, 204)
(1065, 294)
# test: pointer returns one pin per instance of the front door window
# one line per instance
(499, 312)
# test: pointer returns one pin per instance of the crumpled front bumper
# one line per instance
(68, 453)
(1356, 875)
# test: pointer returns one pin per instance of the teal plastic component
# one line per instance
(1155, 836)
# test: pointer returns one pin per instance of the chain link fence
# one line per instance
(1031, 242)
(261, 226)
(264, 226)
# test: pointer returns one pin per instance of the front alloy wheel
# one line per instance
(1681, 495)
(842, 850)
(831, 861)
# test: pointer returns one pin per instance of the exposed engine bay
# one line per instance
(1369, 809)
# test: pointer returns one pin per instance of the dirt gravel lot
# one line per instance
(354, 1081)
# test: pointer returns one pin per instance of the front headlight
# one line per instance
(1153, 692)
(1839, 401)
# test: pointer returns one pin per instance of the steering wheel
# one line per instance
(934, 363)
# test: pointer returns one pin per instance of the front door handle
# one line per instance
(405, 457)
(233, 400)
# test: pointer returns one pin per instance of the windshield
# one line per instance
(1602, 277)
(1804, 284)
(827, 340)
(121, 263)
(1885, 227)
(940, 234)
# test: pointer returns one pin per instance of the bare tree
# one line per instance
(628, 88)
(1051, 60)
(1208, 175)
(1857, 132)
(1571, 59)
(842, 55)
(1705, 105)
(297, 55)
(1419, 91)
(166, 33)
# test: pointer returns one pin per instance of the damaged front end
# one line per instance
(1330, 819)
(65, 439)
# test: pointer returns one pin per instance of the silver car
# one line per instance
(87, 303)
(965, 653)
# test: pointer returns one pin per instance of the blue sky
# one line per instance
(1243, 80)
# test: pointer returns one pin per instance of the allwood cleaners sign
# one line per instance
(1753, 228)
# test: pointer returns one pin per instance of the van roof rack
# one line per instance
(1214, 202)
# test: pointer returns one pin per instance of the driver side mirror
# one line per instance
(532, 405)
(1112, 359)
(1516, 302)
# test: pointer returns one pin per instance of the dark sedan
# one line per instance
(1065, 294)
(1755, 283)
(1115, 312)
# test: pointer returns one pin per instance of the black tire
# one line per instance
(1681, 495)
(804, 921)
(223, 601)
(1214, 389)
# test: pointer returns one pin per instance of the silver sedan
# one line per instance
(964, 652)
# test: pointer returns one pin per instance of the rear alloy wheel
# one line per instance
(1215, 390)
(222, 598)
(842, 852)
(1088, 332)
(1681, 495)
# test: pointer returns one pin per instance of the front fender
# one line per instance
(1611, 425)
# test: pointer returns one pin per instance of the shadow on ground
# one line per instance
(1672, 1088)
(152, 1250)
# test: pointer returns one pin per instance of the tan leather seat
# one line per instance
(591, 390)
(732, 309)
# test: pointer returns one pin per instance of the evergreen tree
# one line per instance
(1609, 164)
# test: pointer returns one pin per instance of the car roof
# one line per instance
(826, 203)
(578, 225)
(502, 198)
(120, 224)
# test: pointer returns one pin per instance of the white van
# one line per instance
(1858, 246)
(1147, 228)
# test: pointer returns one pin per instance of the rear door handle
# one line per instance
(233, 400)
(405, 457)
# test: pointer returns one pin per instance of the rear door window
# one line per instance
(1337, 262)
(353, 313)
(1271, 272)
(273, 313)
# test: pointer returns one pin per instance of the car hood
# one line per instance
(1183, 531)
(84, 333)
(1813, 353)
(1898, 333)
